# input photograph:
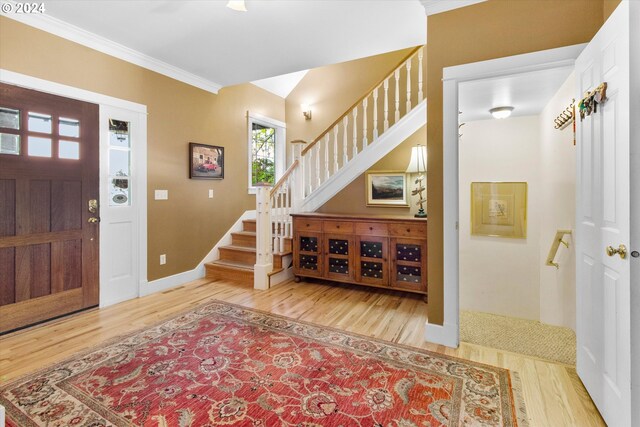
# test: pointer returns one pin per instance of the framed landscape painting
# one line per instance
(499, 209)
(206, 161)
(386, 189)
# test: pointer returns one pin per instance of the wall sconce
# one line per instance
(418, 164)
(237, 5)
(306, 111)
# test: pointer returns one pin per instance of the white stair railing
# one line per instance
(326, 155)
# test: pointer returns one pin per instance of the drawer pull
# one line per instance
(370, 228)
(337, 226)
(408, 230)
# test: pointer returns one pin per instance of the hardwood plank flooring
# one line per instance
(553, 393)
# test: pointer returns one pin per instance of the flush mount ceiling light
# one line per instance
(501, 112)
(237, 5)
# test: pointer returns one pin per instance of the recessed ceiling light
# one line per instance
(501, 112)
(237, 5)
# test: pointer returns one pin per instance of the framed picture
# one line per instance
(386, 189)
(499, 209)
(206, 161)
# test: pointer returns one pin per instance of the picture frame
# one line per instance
(499, 209)
(206, 161)
(386, 189)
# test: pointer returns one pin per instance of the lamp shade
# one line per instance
(418, 162)
(237, 5)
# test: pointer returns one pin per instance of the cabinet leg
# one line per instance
(426, 298)
(297, 279)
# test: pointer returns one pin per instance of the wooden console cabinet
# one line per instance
(381, 251)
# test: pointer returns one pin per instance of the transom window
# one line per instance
(266, 151)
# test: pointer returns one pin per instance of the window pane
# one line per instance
(119, 192)
(118, 162)
(118, 133)
(9, 143)
(9, 118)
(39, 147)
(69, 127)
(263, 154)
(39, 122)
(69, 150)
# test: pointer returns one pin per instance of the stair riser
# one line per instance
(238, 256)
(249, 225)
(217, 272)
(243, 240)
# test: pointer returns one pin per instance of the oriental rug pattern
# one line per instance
(222, 364)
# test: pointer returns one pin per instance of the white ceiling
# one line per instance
(528, 93)
(281, 85)
(217, 46)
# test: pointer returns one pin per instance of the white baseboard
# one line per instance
(446, 334)
(198, 272)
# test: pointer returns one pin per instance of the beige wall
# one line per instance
(352, 198)
(608, 6)
(483, 31)
(186, 226)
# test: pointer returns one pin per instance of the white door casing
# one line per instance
(603, 327)
(120, 253)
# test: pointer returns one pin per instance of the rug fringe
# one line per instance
(518, 400)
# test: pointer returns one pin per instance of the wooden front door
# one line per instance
(48, 234)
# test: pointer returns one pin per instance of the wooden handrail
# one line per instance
(284, 177)
(348, 111)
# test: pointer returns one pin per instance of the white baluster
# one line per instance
(318, 182)
(375, 115)
(309, 172)
(364, 124)
(355, 132)
(386, 105)
(326, 156)
(345, 142)
(287, 210)
(408, 85)
(420, 94)
(335, 149)
(397, 76)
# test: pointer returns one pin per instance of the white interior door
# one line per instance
(122, 204)
(603, 219)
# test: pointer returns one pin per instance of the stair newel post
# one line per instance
(355, 132)
(364, 123)
(375, 114)
(264, 255)
(408, 85)
(397, 76)
(335, 149)
(420, 93)
(386, 105)
(287, 213)
(277, 224)
(345, 142)
(297, 182)
(326, 156)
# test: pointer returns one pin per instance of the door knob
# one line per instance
(93, 220)
(621, 250)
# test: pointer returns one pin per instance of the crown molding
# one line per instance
(432, 7)
(78, 35)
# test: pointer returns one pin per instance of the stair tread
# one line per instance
(239, 248)
(234, 264)
(244, 233)
(283, 253)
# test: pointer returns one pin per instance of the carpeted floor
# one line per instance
(522, 336)
(222, 364)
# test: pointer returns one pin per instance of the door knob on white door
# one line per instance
(621, 250)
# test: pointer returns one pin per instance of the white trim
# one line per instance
(148, 288)
(432, 7)
(281, 145)
(548, 59)
(101, 44)
(54, 88)
(366, 158)
(140, 186)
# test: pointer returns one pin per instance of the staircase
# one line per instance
(371, 128)
(237, 260)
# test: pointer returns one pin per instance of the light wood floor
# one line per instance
(554, 395)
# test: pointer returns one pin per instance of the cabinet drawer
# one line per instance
(341, 227)
(417, 231)
(303, 224)
(371, 229)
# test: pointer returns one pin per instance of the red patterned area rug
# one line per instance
(222, 364)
